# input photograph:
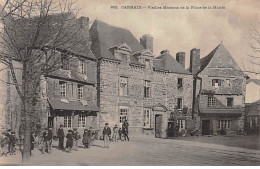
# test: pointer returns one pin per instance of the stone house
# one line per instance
(68, 95)
(219, 97)
(152, 93)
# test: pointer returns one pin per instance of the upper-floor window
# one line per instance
(228, 82)
(230, 102)
(147, 89)
(81, 66)
(147, 118)
(123, 58)
(216, 82)
(211, 101)
(147, 63)
(179, 83)
(65, 62)
(80, 92)
(179, 104)
(62, 89)
(123, 86)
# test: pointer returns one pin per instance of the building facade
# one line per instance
(152, 93)
(220, 89)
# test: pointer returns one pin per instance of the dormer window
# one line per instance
(65, 62)
(123, 58)
(147, 63)
(81, 66)
(216, 83)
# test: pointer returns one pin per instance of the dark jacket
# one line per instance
(49, 136)
(32, 142)
(12, 140)
(44, 136)
(107, 131)
(87, 137)
(76, 135)
(61, 133)
(69, 142)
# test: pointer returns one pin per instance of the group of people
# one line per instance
(73, 138)
(118, 133)
(7, 143)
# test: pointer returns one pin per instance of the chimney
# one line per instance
(147, 42)
(194, 61)
(180, 57)
(166, 51)
(84, 23)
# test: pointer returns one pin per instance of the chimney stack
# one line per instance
(147, 42)
(180, 57)
(194, 61)
(84, 23)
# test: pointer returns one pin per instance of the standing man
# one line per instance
(106, 134)
(115, 132)
(61, 136)
(76, 138)
(125, 130)
(49, 140)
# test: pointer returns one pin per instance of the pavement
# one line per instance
(144, 151)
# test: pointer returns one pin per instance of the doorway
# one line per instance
(158, 126)
(50, 122)
(205, 127)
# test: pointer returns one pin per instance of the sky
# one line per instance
(183, 29)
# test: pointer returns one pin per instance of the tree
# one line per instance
(41, 35)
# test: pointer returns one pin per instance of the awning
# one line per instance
(59, 104)
(221, 112)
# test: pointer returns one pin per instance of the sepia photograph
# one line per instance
(129, 83)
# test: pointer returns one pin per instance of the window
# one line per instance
(147, 118)
(147, 89)
(224, 124)
(80, 92)
(179, 83)
(123, 86)
(62, 89)
(211, 101)
(81, 66)
(122, 115)
(82, 120)
(147, 63)
(123, 58)
(179, 103)
(228, 82)
(216, 82)
(230, 102)
(67, 121)
(64, 62)
(182, 124)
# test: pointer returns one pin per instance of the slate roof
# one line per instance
(105, 36)
(57, 104)
(222, 59)
(256, 81)
(168, 63)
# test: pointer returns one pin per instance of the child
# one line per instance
(120, 133)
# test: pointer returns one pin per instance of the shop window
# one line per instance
(123, 86)
(224, 124)
(147, 118)
(82, 120)
(147, 89)
(211, 101)
(67, 121)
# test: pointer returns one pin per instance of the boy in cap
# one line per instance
(61, 136)
(76, 138)
(106, 134)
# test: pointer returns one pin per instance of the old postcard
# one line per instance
(130, 82)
